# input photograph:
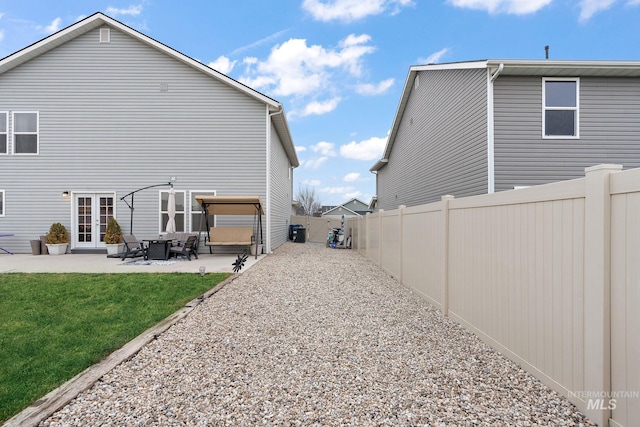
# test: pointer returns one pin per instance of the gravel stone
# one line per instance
(314, 336)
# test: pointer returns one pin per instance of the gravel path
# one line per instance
(317, 336)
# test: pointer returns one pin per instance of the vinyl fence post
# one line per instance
(401, 240)
(597, 290)
(445, 253)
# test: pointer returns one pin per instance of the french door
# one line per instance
(92, 212)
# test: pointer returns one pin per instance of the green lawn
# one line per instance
(53, 326)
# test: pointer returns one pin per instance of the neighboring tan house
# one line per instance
(353, 207)
(98, 110)
(478, 127)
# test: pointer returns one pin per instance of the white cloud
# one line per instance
(324, 148)
(300, 148)
(295, 69)
(52, 27)
(132, 10)
(350, 177)
(337, 190)
(515, 7)
(369, 149)
(311, 182)
(590, 7)
(354, 195)
(351, 10)
(435, 57)
(1, 35)
(371, 89)
(319, 108)
(223, 64)
(315, 164)
(271, 38)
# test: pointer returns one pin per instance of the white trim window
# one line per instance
(196, 211)
(26, 132)
(4, 132)
(561, 108)
(164, 211)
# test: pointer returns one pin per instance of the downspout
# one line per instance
(491, 131)
(267, 245)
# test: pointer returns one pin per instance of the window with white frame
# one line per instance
(1, 203)
(164, 211)
(4, 134)
(560, 117)
(25, 132)
(198, 222)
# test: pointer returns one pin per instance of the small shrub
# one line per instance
(113, 233)
(57, 234)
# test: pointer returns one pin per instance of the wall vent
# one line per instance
(164, 87)
(105, 35)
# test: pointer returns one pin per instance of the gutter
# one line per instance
(497, 72)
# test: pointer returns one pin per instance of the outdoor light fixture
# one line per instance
(66, 193)
(202, 269)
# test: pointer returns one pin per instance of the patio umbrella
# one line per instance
(171, 210)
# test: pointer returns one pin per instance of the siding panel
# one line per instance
(609, 131)
(440, 147)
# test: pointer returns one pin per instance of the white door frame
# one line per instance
(98, 216)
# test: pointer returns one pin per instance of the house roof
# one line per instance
(331, 211)
(511, 67)
(99, 19)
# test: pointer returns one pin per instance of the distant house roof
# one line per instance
(511, 67)
(335, 210)
(98, 19)
(340, 210)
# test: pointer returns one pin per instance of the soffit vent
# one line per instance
(105, 35)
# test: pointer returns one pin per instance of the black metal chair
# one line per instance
(187, 248)
(133, 247)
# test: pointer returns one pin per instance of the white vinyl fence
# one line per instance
(547, 275)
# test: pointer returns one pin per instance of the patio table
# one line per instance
(3, 249)
(158, 249)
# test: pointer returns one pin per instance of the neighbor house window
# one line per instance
(1, 203)
(560, 118)
(199, 222)
(25, 133)
(164, 211)
(4, 125)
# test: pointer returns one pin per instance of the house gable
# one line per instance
(440, 145)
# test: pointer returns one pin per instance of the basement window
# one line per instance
(560, 115)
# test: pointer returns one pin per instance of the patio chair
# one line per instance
(186, 248)
(133, 247)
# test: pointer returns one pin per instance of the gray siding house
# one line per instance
(483, 126)
(98, 110)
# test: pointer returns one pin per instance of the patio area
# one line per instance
(99, 263)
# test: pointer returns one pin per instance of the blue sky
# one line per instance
(339, 66)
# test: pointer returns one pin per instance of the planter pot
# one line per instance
(57, 249)
(114, 249)
(35, 247)
(253, 249)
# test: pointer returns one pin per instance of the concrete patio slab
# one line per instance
(99, 263)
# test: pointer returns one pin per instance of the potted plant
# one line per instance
(57, 239)
(113, 237)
